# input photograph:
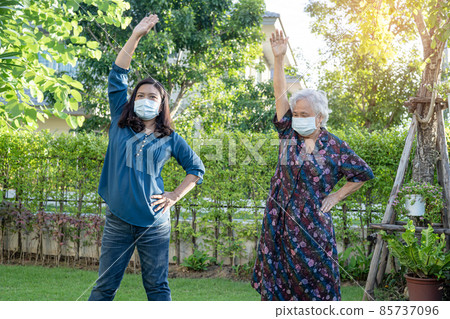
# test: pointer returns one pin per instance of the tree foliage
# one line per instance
(52, 29)
(367, 83)
(378, 24)
(380, 27)
(231, 104)
(59, 173)
(196, 41)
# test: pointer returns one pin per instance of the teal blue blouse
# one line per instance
(133, 163)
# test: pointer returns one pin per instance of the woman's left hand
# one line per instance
(166, 200)
(329, 202)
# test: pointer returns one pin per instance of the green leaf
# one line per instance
(67, 78)
(59, 106)
(92, 44)
(40, 116)
(78, 40)
(433, 43)
(61, 94)
(73, 104)
(31, 113)
(97, 54)
(76, 85)
(47, 85)
(60, 114)
(72, 121)
(80, 120)
(73, 4)
(14, 108)
(432, 21)
(76, 95)
(38, 79)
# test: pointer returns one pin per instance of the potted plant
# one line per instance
(425, 260)
(420, 199)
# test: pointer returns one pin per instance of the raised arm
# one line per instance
(123, 60)
(118, 77)
(279, 48)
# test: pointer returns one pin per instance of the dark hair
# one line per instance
(164, 124)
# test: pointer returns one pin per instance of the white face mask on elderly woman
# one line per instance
(304, 125)
(146, 109)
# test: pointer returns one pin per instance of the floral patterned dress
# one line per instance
(297, 254)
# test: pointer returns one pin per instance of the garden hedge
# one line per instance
(58, 174)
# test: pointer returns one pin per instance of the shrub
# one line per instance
(198, 261)
(60, 174)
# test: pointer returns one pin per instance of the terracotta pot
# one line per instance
(424, 289)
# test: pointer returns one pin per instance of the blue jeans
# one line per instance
(118, 245)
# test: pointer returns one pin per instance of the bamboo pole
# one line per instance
(443, 166)
(443, 169)
(389, 213)
(383, 263)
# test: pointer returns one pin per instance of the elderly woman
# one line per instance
(141, 141)
(297, 256)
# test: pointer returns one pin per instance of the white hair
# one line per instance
(317, 99)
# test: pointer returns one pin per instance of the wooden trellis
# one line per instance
(381, 252)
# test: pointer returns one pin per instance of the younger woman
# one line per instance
(141, 140)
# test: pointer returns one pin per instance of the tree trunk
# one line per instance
(175, 110)
(424, 163)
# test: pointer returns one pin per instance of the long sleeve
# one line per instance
(117, 89)
(187, 158)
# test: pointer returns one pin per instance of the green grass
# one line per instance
(41, 283)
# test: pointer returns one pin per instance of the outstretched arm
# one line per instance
(279, 48)
(118, 77)
(123, 60)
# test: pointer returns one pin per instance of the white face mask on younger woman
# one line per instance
(146, 109)
(304, 126)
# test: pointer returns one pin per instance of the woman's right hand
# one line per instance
(279, 43)
(145, 25)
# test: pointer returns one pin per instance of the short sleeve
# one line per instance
(187, 158)
(117, 89)
(284, 124)
(353, 167)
